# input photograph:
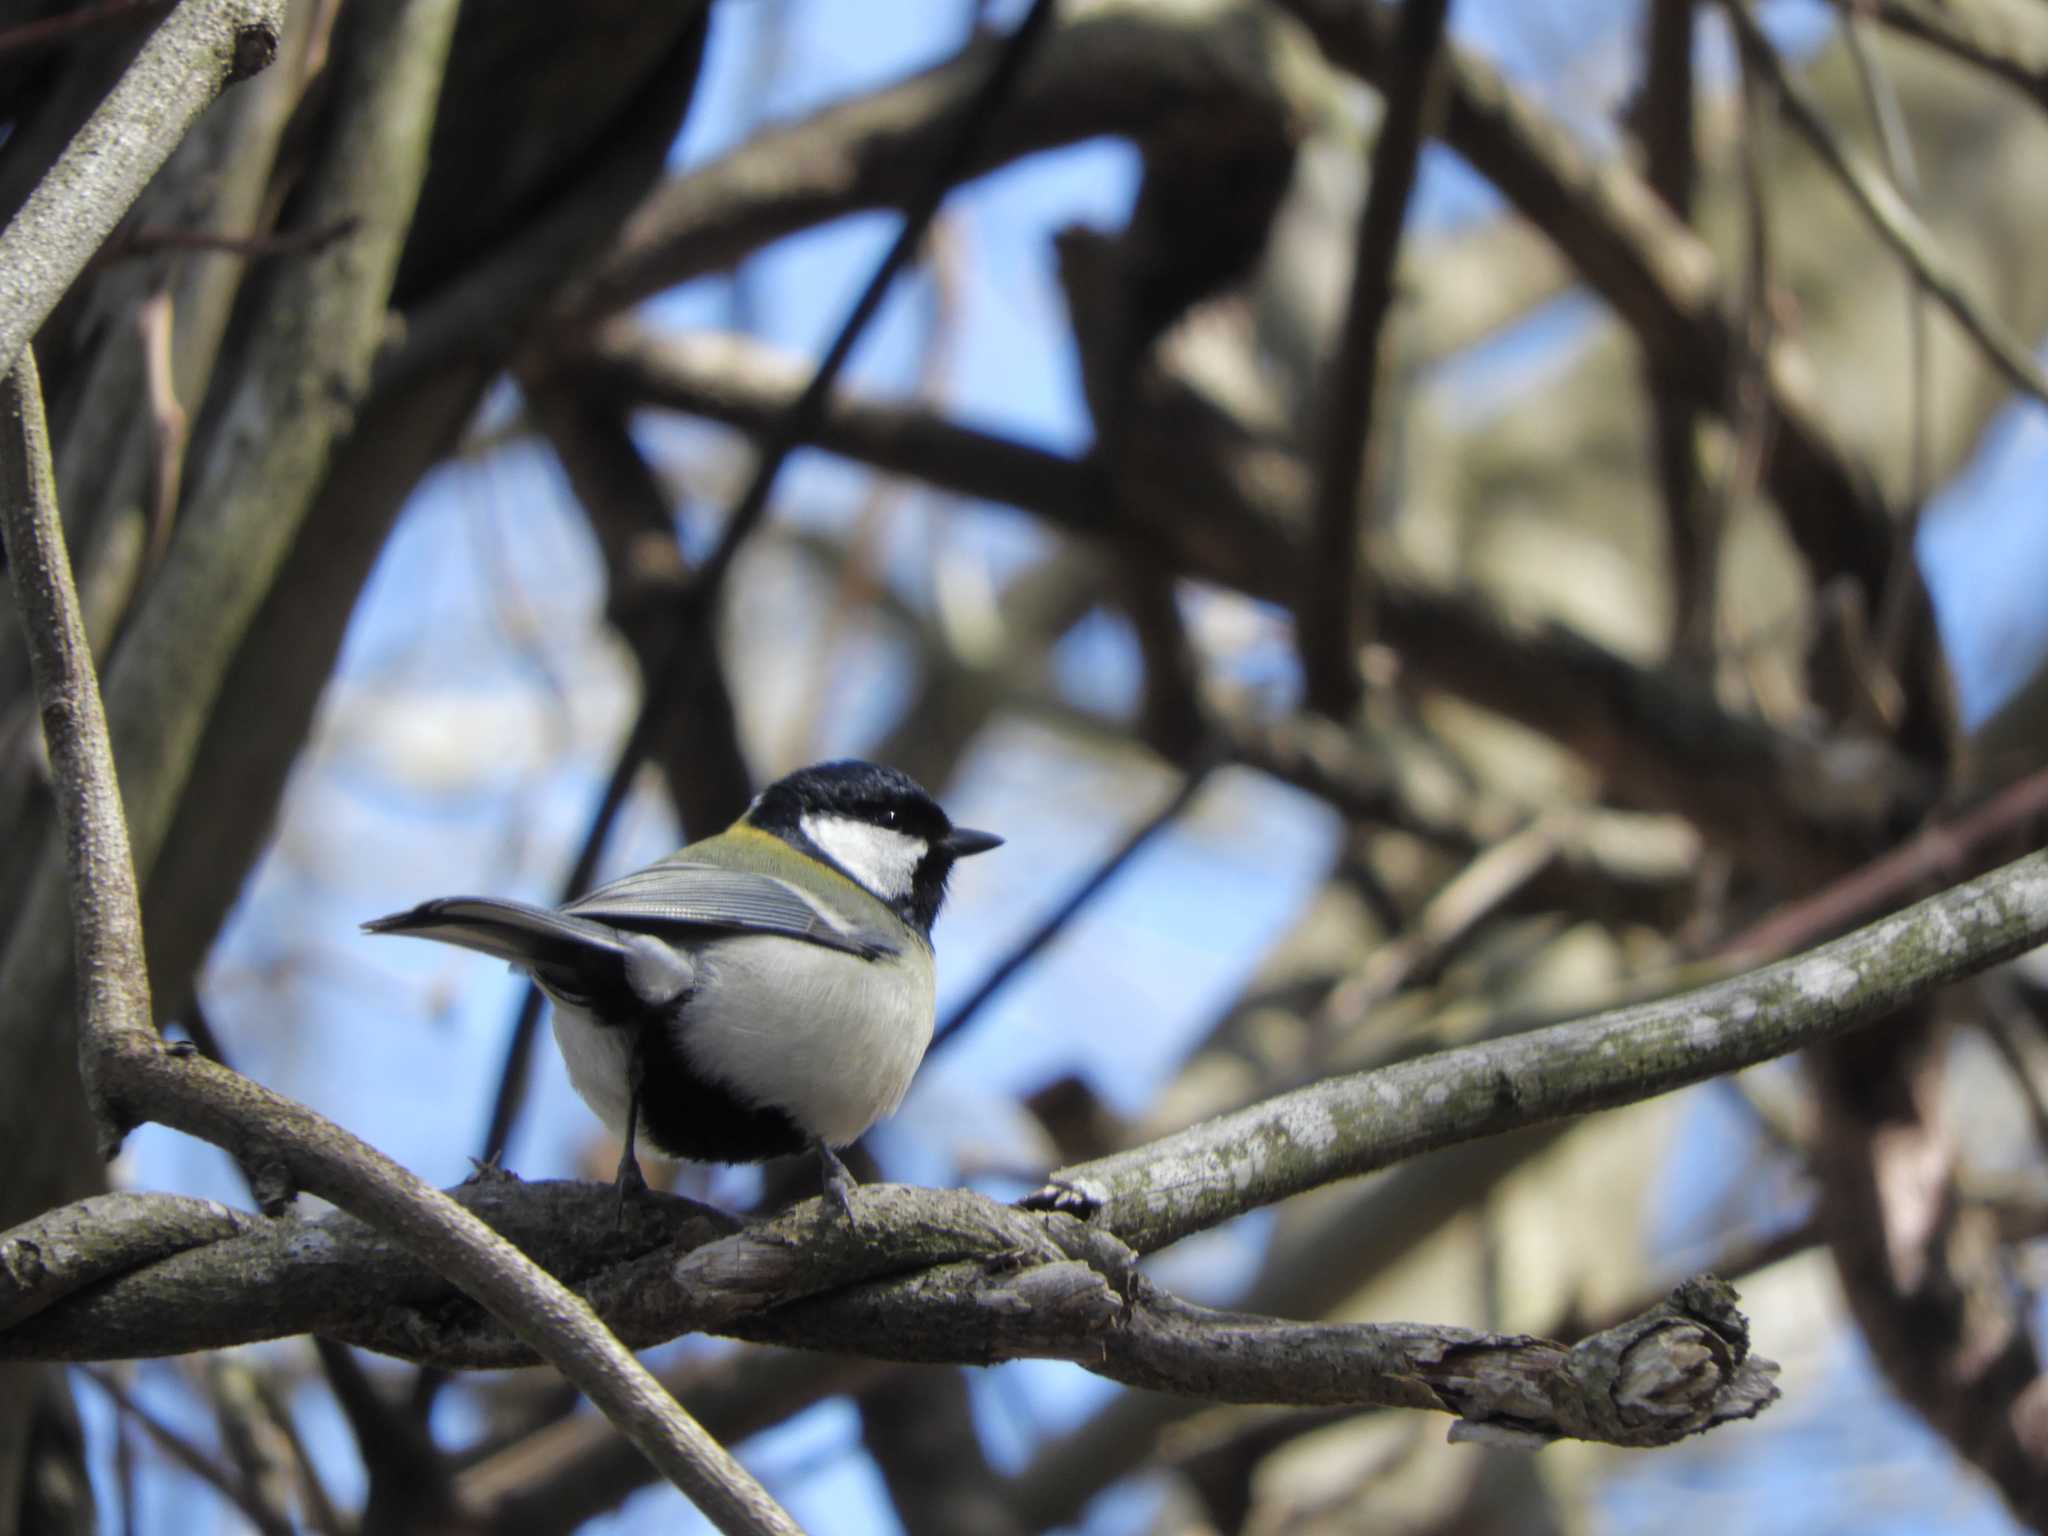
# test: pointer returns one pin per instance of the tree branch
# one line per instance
(933, 1276)
(113, 981)
(1971, 33)
(1658, 276)
(1120, 69)
(1332, 623)
(1158, 1193)
(201, 48)
(1889, 214)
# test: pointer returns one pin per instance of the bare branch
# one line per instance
(131, 1074)
(1084, 892)
(1971, 33)
(1332, 619)
(113, 980)
(936, 1276)
(1889, 213)
(1660, 740)
(1659, 277)
(1924, 1278)
(1156, 1194)
(201, 48)
(1126, 69)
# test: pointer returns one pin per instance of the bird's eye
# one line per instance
(890, 817)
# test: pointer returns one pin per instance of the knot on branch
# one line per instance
(1680, 1368)
(254, 51)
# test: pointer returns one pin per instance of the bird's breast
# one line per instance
(830, 1038)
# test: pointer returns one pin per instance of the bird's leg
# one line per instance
(630, 1181)
(839, 1182)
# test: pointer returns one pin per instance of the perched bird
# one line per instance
(764, 990)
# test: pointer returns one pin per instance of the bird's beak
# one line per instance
(963, 841)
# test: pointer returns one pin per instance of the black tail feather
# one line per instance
(537, 939)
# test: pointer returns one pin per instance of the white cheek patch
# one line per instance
(880, 858)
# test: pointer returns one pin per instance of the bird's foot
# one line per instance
(630, 1182)
(839, 1183)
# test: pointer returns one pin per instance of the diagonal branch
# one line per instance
(1156, 1194)
(1127, 70)
(1889, 213)
(1970, 33)
(201, 48)
(1659, 740)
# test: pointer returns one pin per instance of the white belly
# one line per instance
(831, 1039)
(596, 1057)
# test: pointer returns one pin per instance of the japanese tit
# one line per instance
(761, 991)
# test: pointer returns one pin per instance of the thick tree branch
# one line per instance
(113, 982)
(1063, 1289)
(933, 1276)
(1118, 69)
(201, 48)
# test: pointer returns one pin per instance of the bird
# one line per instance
(759, 992)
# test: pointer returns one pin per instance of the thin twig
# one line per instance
(1451, 916)
(1896, 605)
(1334, 620)
(152, 239)
(804, 416)
(1888, 214)
(1934, 855)
(1960, 32)
(1056, 921)
(315, 1502)
(214, 1473)
(170, 426)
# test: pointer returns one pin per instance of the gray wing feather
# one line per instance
(678, 893)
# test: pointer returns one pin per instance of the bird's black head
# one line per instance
(876, 825)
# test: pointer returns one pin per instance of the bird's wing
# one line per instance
(678, 893)
(575, 959)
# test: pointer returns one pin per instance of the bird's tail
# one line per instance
(536, 939)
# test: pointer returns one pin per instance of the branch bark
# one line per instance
(931, 1276)
(1159, 1193)
(201, 48)
(1333, 621)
